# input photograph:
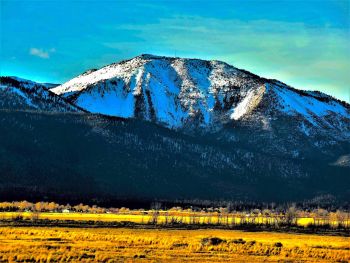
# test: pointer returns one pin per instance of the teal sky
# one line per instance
(305, 44)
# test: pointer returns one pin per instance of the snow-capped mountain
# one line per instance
(233, 135)
(22, 94)
(178, 93)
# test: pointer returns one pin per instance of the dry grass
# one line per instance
(30, 244)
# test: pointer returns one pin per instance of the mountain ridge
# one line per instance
(150, 56)
(23, 94)
(257, 140)
(193, 93)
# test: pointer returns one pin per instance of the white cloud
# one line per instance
(41, 53)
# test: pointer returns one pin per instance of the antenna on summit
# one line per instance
(175, 53)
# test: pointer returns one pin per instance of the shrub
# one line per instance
(278, 244)
(214, 241)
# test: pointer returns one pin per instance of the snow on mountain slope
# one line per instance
(17, 93)
(172, 91)
(308, 105)
(313, 109)
(178, 93)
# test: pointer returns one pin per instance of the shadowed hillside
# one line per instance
(80, 156)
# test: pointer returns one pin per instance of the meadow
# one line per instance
(48, 232)
(178, 217)
(228, 216)
(55, 244)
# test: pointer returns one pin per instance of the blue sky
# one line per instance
(303, 43)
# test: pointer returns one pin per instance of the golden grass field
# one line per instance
(54, 244)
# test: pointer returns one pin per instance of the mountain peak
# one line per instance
(182, 92)
(150, 56)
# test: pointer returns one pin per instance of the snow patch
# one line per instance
(21, 94)
(250, 101)
(307, 106)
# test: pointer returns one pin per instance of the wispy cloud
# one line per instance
(41, 53)
(303, 56)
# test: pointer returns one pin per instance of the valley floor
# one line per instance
(62, 244)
